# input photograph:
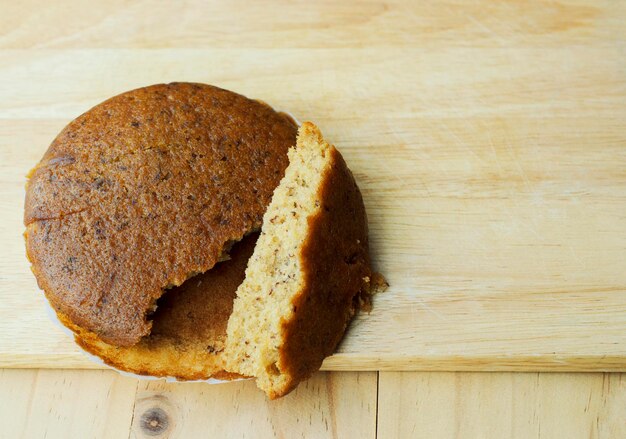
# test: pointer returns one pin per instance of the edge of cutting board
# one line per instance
(348, 362)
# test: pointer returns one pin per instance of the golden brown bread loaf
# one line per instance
(143, 191)
(308, 275)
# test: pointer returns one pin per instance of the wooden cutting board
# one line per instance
(489, 141)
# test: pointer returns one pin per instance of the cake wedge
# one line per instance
(309, 272)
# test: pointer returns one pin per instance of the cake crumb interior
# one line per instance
(274, 275)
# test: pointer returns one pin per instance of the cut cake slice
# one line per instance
(309, 272)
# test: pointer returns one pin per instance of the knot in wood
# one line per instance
(154, 421)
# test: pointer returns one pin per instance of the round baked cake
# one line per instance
(142, 192)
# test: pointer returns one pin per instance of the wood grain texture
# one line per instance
(328, 405)
(103, 404)
(319, 24)
(498, 405)
(68, 404)
(488, 140)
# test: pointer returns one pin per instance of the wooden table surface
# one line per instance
(490, 142)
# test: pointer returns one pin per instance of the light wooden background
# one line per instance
(487, 137)
(490, 142)
(103, 404)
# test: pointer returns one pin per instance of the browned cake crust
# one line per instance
(189, 329)
(143, 191)
(336, 265)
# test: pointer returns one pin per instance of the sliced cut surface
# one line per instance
(309, 272)
(189, 326)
